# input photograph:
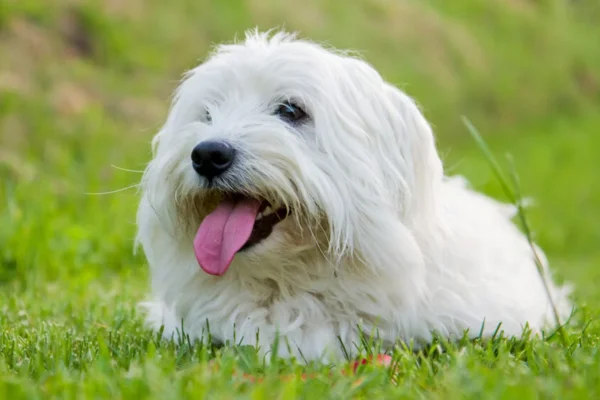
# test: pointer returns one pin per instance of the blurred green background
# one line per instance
(84, 85)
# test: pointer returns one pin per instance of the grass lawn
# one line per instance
(85, 85)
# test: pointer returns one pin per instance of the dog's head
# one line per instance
(275, 147)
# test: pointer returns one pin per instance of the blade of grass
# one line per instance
(514, 196)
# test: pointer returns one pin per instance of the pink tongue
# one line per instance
(222, 233)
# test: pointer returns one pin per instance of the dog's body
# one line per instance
(375, 236)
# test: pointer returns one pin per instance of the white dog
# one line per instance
(295, 193)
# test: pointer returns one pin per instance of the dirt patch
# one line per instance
(69, 98)
(10, 81)
(29, 38)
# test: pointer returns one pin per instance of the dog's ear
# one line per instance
(416, 154)
(386, 149)
(398, 136)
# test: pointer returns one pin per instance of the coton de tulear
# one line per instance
(295, 193)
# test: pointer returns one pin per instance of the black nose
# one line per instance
(211, 159)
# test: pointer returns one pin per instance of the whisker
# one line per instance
(127, 170)
(114, 191)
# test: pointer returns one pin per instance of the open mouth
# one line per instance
(235, 225)
(265, 221)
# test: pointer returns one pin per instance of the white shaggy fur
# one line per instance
(378, 236)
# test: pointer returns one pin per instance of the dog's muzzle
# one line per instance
(238, 222)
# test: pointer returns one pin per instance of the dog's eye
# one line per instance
(207, 117)
(290, 112)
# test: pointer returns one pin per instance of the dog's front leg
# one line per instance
(305, 341)
(294, 328)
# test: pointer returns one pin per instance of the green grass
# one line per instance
(84, 85)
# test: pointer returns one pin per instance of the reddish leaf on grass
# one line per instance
(382, 360)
